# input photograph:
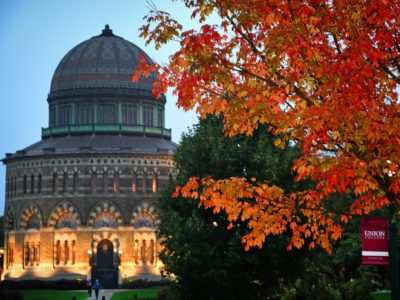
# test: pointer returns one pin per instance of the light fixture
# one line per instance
(90, 252)
(120, 251)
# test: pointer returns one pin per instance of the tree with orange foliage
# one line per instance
(323, 75)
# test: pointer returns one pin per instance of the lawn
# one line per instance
(381, 296)
(129, 295)
(54, 294)
(82, 295)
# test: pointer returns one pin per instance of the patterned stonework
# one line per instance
(77, 202)
(49, 231)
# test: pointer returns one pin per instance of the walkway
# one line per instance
(106, 293)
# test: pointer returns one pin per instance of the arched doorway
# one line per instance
(105, 271)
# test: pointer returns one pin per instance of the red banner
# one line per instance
(375, 241)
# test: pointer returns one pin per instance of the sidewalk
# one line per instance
(106, 293)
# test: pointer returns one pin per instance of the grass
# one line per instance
(381, 296)
(82, 295)
(129, 295)
(53, 294)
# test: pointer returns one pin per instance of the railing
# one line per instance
(113, 128)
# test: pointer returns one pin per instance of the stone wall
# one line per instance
(65, 209)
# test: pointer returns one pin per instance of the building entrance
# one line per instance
(105, 271)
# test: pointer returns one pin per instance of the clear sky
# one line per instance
(34, 37)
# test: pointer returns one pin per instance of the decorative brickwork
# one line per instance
(86, 187)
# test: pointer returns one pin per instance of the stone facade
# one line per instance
(83, 199)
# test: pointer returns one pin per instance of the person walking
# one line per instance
(89, 287)
(96, 287)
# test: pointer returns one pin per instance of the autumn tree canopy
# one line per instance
(207, 260)
(323, 75)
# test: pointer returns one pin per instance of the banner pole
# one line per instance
(394, 259)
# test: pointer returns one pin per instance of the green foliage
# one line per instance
(205, 150)
(142, 284)
(10, 294)
(381, 296)
(340, 275)
(136, 294)
(35, 284)
(207, 259)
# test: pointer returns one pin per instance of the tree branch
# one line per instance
(387, 70)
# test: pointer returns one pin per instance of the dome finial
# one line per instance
(107, 31)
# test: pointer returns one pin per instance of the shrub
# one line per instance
(142, 284)
(33, 284)
(11, 294)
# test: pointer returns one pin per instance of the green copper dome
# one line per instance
(92, 92)
(103, 61)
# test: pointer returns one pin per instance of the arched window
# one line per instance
(58, 253)
(94, 182)
(8, 186)
(65, 115)
(52, 116)
(15, 186)
(148, 115)
(65, 182)
(73, 255)
(144, 220)
(32, 254)
(129, 114)
(116, 182)
(105, 219)
(10, 254)
(39, 185)
(55, 182)
(151, 252)
(134, 183)
(66, 220)
(136, 252)
(27, 254)
(11, 193)
(160, 117)
(10, 219)
(24, 186)
(106, 113)
(32, 183)
(154, 184)
(76, 182)
(33, 222)
(105, 182)
(144, 183)
(31, 217)
(66, 252)
(37, 253)
(84, 114)
(143, 252)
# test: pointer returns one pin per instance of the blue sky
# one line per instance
(36, 34)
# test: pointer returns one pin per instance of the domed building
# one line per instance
(81, 201)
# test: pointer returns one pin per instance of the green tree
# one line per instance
(340, 275)
(207, 259)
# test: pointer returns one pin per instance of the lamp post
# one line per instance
(119, 256)
(90, 252)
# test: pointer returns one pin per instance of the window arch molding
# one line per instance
(10, 219)
(142, 212)
(105, 207)
(64, 209)
(28, 212)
